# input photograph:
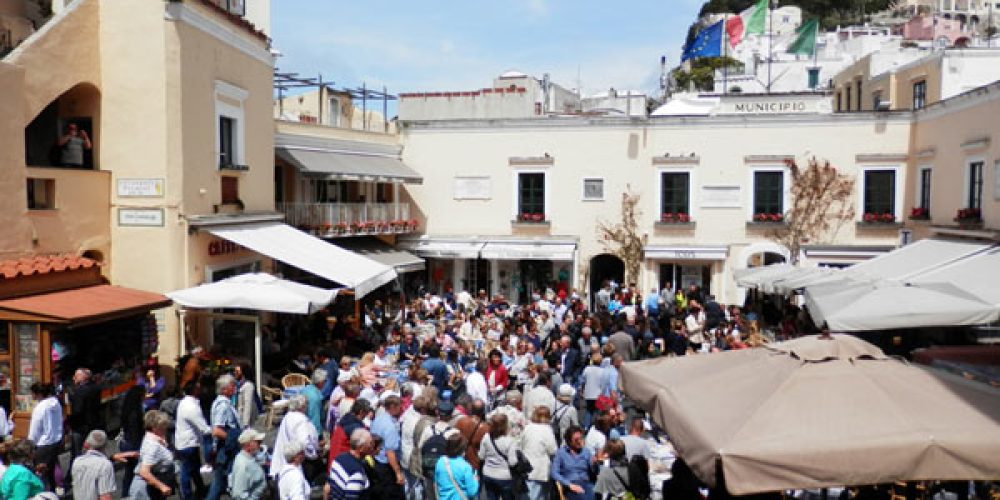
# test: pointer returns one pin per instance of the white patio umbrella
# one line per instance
(884, 305)
(257, 291)
(752, 277)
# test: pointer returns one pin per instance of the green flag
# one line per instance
(755, 21)
(805, 38)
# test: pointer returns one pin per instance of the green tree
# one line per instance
(702, 72)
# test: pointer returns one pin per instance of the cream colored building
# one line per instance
(911, 78)
(513, 204)
(955, 165)
(176, 97)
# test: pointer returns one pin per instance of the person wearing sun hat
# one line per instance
(565, 414)
(247, 478)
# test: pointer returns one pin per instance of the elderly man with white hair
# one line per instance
(93, 472)
(292, 484)
(226, 431)
(348, 480)
(297, 430)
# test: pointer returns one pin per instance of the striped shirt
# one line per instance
(347, 478)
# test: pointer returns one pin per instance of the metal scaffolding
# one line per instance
(283, 82)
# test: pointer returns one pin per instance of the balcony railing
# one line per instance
(238, 7)
(346, 219)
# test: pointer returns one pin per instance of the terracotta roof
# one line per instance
(41, 264)
(87, 305)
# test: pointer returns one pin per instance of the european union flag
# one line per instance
(708, 43)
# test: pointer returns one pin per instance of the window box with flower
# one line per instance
(873, 220)
(969, 216)
(920, 213)
(531, 218)
(675, 220)
(763, 219)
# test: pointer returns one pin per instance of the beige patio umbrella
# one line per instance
(815, 412)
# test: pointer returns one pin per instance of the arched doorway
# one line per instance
(604, 267)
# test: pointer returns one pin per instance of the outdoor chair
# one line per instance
(294, 380)
(275, 408)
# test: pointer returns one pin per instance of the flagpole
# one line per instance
(770, 48)
(725, 54)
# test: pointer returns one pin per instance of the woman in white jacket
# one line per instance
(539, 446)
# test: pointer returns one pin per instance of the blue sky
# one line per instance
(446, 45)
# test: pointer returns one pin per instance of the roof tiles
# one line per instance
(42, 264)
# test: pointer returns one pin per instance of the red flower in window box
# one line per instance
(969, 214)
(538, 217)
(919, 213)
(413, 223)
(870, 217)
(776, 217)
(683, 217)
(887, 217)
(525, 217)
(667, 217)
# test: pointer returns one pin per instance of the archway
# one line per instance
(79, 107)
(760, 254)
(604, 267)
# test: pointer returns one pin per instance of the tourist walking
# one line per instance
(46, 431)
(247, 480)
(226, 430)
(19, 482)
(292, 484)
(497, 453)
(348, 480)
(454, 478)
(93, 472)
(539, 446)
(189, 431)
(389, 480)
(155, 475)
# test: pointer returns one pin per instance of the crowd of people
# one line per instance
(458, 396)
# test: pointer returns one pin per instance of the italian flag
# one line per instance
(750, 22)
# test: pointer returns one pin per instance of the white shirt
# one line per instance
(408, 425)
(6, 424)
(538, 396)
(191, 424)
(46, 422)
(595, 440)
(292, 484)
(295, 427)
(475, 387)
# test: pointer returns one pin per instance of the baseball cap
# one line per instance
(250, 435)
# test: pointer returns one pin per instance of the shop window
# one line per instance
(974, 193)
(230, 189)
(768, 192)
(675, 193)
(683, 275)
(593, 189)
(41, 194)
(924, 195)
(477, 276)
(531, 194)
(920, 94)
(879, 192)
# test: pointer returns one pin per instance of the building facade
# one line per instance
(513, 205)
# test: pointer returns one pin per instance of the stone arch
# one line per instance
(604, 267)
(80, 105)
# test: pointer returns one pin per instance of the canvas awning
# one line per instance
(379, 251)
(529, 249)
(257, 291)
(979, 275)
(816, 413)
(82, 306)
(309, 253)
(443, 248)
(886, 305)
(338, 159)
(915, 258)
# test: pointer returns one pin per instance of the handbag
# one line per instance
(519, 471)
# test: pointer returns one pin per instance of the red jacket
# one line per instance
(500, 379)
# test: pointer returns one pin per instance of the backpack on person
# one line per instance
(637, 487)
(431, 451)
(556, 428)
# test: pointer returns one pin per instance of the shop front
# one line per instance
(683, 266)
(68, 319)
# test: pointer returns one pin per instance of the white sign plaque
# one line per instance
(141, 217)
(720, 197)
(473, 188)
(140, 188)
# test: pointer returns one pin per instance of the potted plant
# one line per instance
(355, 226)
(667, 217)
(537, 217)
(413, 224)
(969, 215)
(920, 213)
(683, 218)
(341, 227)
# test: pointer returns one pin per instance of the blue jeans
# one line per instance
(498, 489)
(414, 486)
(190, 459)
(220, 476)
(538, 490)
(588, 492)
